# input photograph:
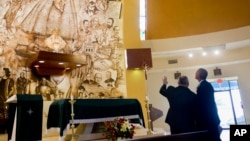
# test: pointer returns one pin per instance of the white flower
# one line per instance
(126, 125)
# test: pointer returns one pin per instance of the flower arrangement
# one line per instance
(119, 127)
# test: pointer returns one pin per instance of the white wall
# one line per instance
(234, 61)
(155, 81)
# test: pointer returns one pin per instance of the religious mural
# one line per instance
(91, 28)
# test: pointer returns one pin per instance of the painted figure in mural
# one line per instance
(55, 41)
(97, 79)
(88, 80)
(119, 84)
(62, 84)
(103, 40)
(109, 80)
(95, 30)
(8, 83)
(92, 8)
(6, 89)
(32, 86)
(115, 35)
(36, 45)
(60, 94)
(106, 33)
(75, 80)
(119, 71)
(110, 25)
(117, 90)
(46, 89)
(82, 93)
(21, 84)
(81, 39)
(102, 5)
(85, 26)
(95, 85)
(92, 95)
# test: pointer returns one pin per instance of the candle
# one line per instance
(72, 97)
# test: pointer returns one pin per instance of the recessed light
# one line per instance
(216, 52)
(78, 65)
(36, 66)
(60, 63)
(41, 61)
(204, 54)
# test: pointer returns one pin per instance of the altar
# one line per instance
(91, 111)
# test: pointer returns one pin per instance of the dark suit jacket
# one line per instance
(181, 107)
(207, 114)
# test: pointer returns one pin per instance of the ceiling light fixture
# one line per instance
(204, 53)
(216, 52)
(41, 61)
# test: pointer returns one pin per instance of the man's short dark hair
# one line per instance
(203, 73)
(183, 80)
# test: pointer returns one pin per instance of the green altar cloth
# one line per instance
(26, 111)
(92, 110)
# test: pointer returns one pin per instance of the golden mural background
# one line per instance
(91, 28)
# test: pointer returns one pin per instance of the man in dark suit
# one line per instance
(180, 116)
(207, 115)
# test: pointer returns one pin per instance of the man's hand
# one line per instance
(165, 80)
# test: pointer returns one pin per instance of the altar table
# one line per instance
(93, 110)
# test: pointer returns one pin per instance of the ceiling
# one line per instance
(177, 18)
(174, 28)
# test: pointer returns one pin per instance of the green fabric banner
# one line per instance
(29, 110)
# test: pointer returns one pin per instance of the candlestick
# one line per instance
(150, 128)
(72, 102)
